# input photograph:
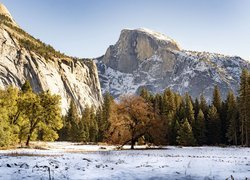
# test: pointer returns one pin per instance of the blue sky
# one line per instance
(85, 28)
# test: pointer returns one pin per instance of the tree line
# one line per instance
(91, 126)
(161, 119)
(165, 119)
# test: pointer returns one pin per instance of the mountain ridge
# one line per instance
(5, 12)
(157, 66)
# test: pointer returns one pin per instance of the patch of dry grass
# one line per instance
(17, 154)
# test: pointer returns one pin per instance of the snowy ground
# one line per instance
(70, 161)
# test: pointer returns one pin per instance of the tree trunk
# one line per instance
(242, 132)
(28, 140)
(235, 139)
(132, 143)
(247, 143)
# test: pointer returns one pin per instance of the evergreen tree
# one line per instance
(232, 118)
(69, 132)
(224, 122)
(203, 105)
(196, 108)
(213, 128)
(165, 105)
(248, 114)
(157, 103)
(93, 127)
(243, 106)
(168, 101)
(144, 93)
(178, 101)
(86, 124)
(174, 127)
(217, 103)
(189, 110)
(217, 98)
(199, 128)
(181, 113)
(103, 122)
(64, 132)
(168, 111)
(83, 131)
(98, 119)
(185, 134)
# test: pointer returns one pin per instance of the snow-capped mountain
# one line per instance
(144, 58)
(22, 57)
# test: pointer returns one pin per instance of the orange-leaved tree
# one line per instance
(131, 119)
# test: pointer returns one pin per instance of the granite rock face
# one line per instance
(5, 12)
(72, 79)
(143, 58)
(133, 47)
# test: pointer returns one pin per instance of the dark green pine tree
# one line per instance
(157, 104)
(248, 113)
(199, 128)
(169, 101)
(73, 120)
(82, 132)
(103, 123)
(63, 133)
(217, 103)
(181, 112)
(244, 107)
(189, 110)
(173, 129)
(185, 135)
(232, 118)
(70, 124)
(86, 121)
(213, 126)
(145, 94)
(165, 105)
(203, 105)
(196, 108)
(98, 119)
(168, 111)
(93, 127)
(224, 122)
(178, 101)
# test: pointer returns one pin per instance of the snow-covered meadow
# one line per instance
(62, 160)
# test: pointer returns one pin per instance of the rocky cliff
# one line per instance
(23, 57)
(144, 58)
